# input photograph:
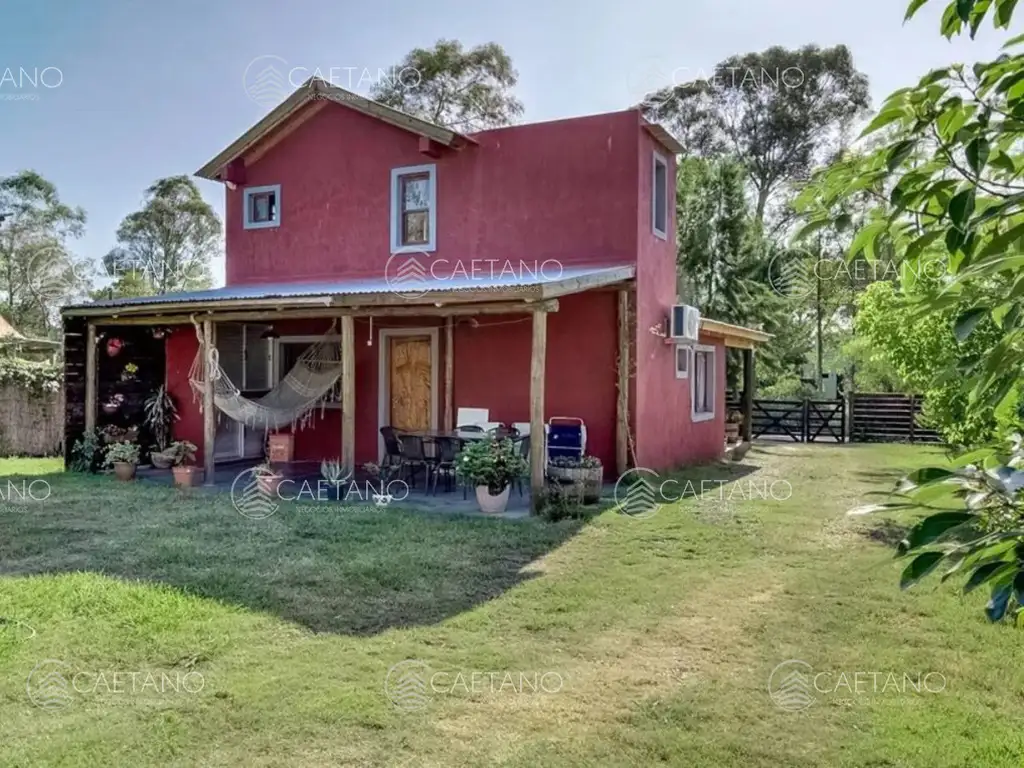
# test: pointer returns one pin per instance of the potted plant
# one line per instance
(183, 457)
(113, 405)
(267, 478)
(490, 466)
(112, 433)
(732, 427)
(130, 372)
(583, 472)
(124, 458)
(333, 473)
(161, 413)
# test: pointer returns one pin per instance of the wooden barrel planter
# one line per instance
(587, 479)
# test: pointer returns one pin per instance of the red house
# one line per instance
(528, 270)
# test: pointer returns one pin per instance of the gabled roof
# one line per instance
(314, 90)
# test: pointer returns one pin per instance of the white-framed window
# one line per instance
(682, 361)
(703, 384)
(659, 197)
(287, 350)
(414, 208)
(262, 207)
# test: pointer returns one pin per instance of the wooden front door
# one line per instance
(409, 378)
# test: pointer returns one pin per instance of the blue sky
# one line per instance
(145, 90)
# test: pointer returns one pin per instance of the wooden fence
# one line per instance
(888, 418)
(802, 421)
(31, 424)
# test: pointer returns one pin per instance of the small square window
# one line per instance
(262, 207)
(659, 197)
(413, 209)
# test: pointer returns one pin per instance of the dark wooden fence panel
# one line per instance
(888, 418)
(801, 421)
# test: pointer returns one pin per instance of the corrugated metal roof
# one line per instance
(410, 282)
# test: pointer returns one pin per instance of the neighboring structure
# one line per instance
(529, 270)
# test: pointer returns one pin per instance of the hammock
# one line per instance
(291, 402)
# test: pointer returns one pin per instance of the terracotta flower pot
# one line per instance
(732, 432)
(269, 483)
(489, 503)
(186, 477)
(124, 471)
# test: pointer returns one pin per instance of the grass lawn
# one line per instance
(625, 642)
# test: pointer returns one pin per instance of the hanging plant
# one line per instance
(129, 373)
(114, 347)
(160, 333)
(113, 405)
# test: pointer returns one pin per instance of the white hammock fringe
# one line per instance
(292, 402)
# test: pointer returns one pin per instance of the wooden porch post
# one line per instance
(748, 394)
(622, 403)
(538, 356)
(348, 394)
(90, 377)
(449, 373)
(209, 423)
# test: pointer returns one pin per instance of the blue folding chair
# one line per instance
(566, 436)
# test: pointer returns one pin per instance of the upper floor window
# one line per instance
(262, 207)
(414, 208)
(659, 197)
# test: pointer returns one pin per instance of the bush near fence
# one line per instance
(31, 408)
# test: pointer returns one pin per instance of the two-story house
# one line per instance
(529, 271)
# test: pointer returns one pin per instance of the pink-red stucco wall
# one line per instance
(666, 435)
(561, 190)
(491, 370)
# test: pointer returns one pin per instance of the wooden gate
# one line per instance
(802, 421)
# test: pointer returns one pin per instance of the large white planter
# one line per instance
(492, 505)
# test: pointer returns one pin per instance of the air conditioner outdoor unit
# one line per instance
(684, 325)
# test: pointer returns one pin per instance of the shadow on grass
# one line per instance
(326, 566)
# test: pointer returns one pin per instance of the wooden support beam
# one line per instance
(538, 457)
(271, 315)
(348, 394)
(449, 374)
(622, 402)
(209, 422)
(748, 395)
(90, 377)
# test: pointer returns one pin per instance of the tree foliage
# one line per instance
(780, 112)
(37, 271)
(459, 89)
(166, 245)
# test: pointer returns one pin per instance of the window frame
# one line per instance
(711, 382)
(397, 198)
(248, 193)
(685, 349)
(659, 159)
(276, 358)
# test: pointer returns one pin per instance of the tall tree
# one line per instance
(780, 112)
(462, 90)
(37, 271)
(169, 241)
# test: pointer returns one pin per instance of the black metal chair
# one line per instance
(503, 432)
(394, 458)
(414, 458)
(447, 450)
(470, 428)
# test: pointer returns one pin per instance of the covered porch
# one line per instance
(408, 359)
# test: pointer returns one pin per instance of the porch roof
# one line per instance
(736, 336)
(524, 287)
